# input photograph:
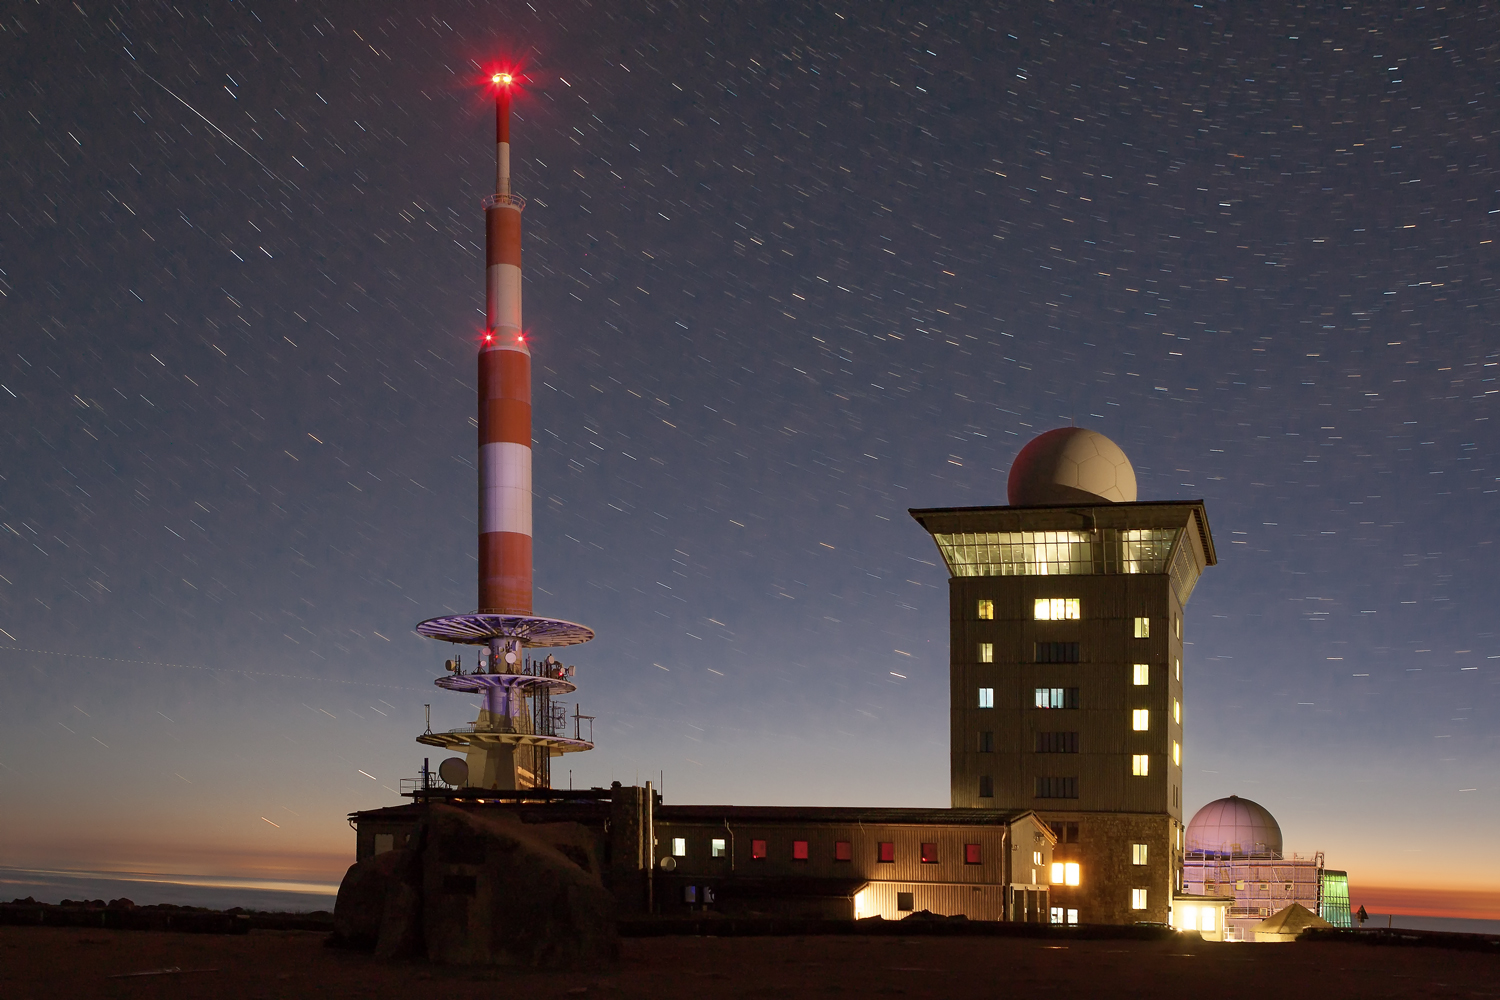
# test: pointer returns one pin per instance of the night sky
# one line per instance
(791, 269)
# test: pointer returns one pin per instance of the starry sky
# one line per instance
(791, 269)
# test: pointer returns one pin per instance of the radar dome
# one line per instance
(1070, 465)
(1233, 826)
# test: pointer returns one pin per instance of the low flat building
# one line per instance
(776, 861)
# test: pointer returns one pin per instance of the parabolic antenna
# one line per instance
(454, 771)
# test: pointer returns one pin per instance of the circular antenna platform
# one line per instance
(454, 771)
(479, 629)
(527, 683)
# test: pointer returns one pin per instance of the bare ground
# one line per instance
(48, 963)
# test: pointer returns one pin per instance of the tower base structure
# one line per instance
(520, 728)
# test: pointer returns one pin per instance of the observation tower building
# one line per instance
(521, 725)
(1066, 674)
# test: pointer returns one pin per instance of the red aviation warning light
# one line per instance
(501, 79)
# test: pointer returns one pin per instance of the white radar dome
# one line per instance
(1070, 465)
(1233, 826)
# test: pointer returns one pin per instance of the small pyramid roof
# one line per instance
(1291, 920)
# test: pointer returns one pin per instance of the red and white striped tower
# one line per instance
(504, 395)
(519, 729)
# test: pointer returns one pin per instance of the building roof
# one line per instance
(841, 815)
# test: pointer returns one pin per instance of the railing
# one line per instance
(491, 200)
(432, 783)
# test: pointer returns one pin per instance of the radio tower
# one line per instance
(519, 730)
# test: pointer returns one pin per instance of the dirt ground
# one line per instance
(48, 963)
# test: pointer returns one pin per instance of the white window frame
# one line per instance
(1140, 765)
(1140, 720)
(1143, 628)
(679, 847)
(718, 848)
(986, 697)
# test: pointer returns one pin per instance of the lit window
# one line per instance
(1058, 914)
(1056, 609)
(1140, 764)
(1070, 873)
(1137, 899)
(1057, 873)
(1143, 628)
(799, 850)
(1072, 916)
(843, 850)
(986, 787)
(1177, 619)
(887, 852)
(986, 610)
(986, 652)
(1179, 668)
(1056, 697)
(1206, 922)
(679, 847)
(929, 854)
(757, 849)
(1142, 674)
(718, 849)
(1140, 719)
(1036, 858)
(1177, 753)
(1176, 711)
(1188, 920)
(986, 697)
(971, 854)
(1137, 854)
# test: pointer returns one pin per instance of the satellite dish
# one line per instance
(669, 864)
(454, 771)
(510, 657)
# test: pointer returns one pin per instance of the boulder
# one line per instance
(496, 891)
(361, 912)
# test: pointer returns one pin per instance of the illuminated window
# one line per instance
(1057, 873)
(1056, 609)
(1143, 628)
(986, 742)
(1056, 697)
(1057, 914)
(986, 697)
(718, 849)
(971, 854)
(843, 850)
(799, 850)
(929, 854)
(679, 847)
(1177, 621)
(1137, 899)
(1140, 764)
(986, 610)
(1036, 857)
(1140, 719)
(1141, 673)
(1176, 711)
(1188, 919)
(1056, 742)
(1137, 854)
(1057, 788)
(887, 853)
(757, 849)
(1072, 916)
(986, 652)
(1179, 668)
(986, 787)
(1065, 873)
(1177, 753)
(1056, 652)
(1206, 922)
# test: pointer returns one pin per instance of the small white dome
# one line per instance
(1233, 826)
(1070, 465)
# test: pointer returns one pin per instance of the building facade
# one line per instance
(1066, 685)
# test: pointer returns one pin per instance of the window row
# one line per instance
(1059, 609)
(843, 850)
